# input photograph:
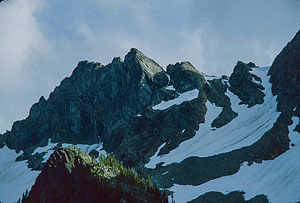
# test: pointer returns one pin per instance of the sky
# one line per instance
(41, 41)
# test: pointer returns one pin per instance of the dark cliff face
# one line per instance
(73, 176)
(184, 77)
(285, 76)
(215, 90)
(241, 84)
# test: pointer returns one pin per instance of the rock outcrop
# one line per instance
(237, 197)
(215, 90)
(73, 176)
(184, 77)
(285, 77)
(244, 84)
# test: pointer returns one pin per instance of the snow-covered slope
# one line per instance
(244, 130)
(278, 179)
(15, 177)
(49, 149)
(186, 96)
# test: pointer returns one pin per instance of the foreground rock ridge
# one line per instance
(179, 125)
(71, 175)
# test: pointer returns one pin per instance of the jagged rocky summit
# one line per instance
(101, 103)
(186, 129)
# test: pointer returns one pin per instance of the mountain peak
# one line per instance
(136, 57)
(137, 62)
(135, 50)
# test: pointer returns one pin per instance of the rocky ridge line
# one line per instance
(71, 175)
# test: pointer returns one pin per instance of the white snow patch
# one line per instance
(15, 177)
(277, 179)
(262, 72)
(225, 82)
(244, 130)
(211, 77)
(186, 96)
(154, 159)
(49, 149)
(138, 115)
(46, 148)
(165, 173)
(168, 77)
(170, 88)
(255, 81)
(88, 148)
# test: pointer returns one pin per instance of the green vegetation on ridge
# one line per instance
(72, 175)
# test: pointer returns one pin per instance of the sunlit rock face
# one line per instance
(71, 175)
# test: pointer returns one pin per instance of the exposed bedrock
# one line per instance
(242, 83)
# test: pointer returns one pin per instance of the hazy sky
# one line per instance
(42, 41)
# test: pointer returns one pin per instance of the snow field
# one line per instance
(247, 128)
(278, 179)
(186, 96)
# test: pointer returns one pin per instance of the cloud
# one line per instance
(136, 24)
(234, 30)
(136, 10)
(213, 35)
(20, 37)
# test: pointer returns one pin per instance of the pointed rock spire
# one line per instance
(136, 61)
